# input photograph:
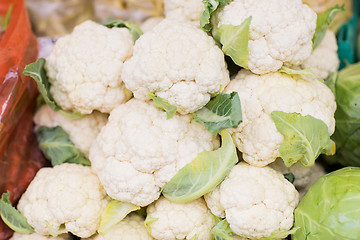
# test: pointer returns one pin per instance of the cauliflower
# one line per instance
(66, 198)
(179, 63)
(82, 131)
(150, 23)
(35, 236)
(85, 67)
(132, 227)
(191, 220)
(326, 50)
(257, 137)
(187, 10)
(281, 31)
(138, 150)
(257, 202)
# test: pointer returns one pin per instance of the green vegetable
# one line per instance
(305, 72)
(132, 27)
(210, 7)
(222, 231)
(114, 212)
(290, 177)
(8, 17)
(203, 174)
(331, 80)
(222, 112)
(234, 40)
(148, 221)
(330, 209)
(162, 104)
(323, 21)
(13, 217)
(56, 145)
(305, 138)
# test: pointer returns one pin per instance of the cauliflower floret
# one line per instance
(281, 31)
(324, 59)
(82, 131)
(85, 67)
(138, 150)
(150, 23)
(187, 10)
(132, 227)
(35, 236)
(181, 220)
(258, 202)
(179, 63)
(256, 136)
(65, 198)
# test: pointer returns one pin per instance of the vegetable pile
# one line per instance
(151, 136)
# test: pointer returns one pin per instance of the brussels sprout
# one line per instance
(330, 209)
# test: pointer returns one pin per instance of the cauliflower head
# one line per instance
(84, 68)
(138, 150)
(35, 236)
(181, 220)
(82, 131)
(132, 227)
(281, 31)
(187, 10)
(65, 198)
(256, 136)
(177, 62)
(150, 23)
(257, 202)
(324, 59)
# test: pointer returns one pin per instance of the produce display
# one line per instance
(198, 120)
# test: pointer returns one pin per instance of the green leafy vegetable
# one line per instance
(290, 177)
(203, 174)
(331, 81)
(222, 231)
(235, 41)
(162, 104)
(56, 145)
(322, 23)
(13, 217)
(282, 234)
(148, 221)
(114, 212)
(330, 209)
(210, 7)
(224, 111)
(132, 27)
(305, 72)
(8, 17)
(305, 138)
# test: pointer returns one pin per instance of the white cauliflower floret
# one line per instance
(281, 31)
(150, 23)
(65, 198)
(82, 131)
(181, 220)
(258, 202)
(35, 236)
(139, 150)
(187, 10)
(256, 136)
(85, 67)
(324, 59)
(130, 228)
(179, 63)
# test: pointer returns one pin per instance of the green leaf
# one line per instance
(162, 104)
(210, 7)
(222, 112)
(290, 177)
(222, 231)
(323, 21)
(203, 174)
(305, 72)
(305, 138)
(36, 70)
(72, 115)
(54, 231)
(235, 41)
(8, 17)
(148, 221)
(114, 212)
(282, 234)
(56, 145)
(132, 27)
(12, 217)
(331, 81)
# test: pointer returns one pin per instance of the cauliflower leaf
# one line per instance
(148, 221)
(222, 112)
(114, 212)
(210, 7)
(203, 174)
(162, 104)
(222, 231)
(56, 145)
(305, 138)
(12, 217)
(305, 72)
(282, 234)
(132, 27)
(235, 41)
